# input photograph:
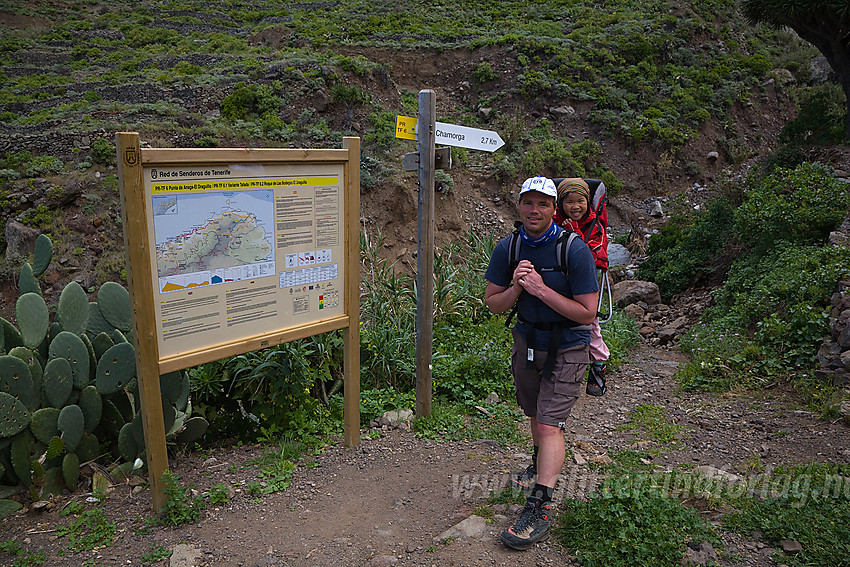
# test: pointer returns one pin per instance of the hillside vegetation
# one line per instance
(635, 92)
(730, 125)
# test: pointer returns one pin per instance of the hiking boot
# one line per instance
(596, 380)
(524, 480)
(531, 527)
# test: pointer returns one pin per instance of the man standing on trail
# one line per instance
(555, 306)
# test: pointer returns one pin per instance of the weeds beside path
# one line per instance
(390, 500)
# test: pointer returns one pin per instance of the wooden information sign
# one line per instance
(233, 250)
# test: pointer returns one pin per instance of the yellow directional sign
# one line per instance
(405, 127)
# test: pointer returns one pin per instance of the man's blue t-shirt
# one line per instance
(582, 279)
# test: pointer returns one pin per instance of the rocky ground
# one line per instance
(396, 499)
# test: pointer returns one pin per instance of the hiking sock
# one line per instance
(542, 492)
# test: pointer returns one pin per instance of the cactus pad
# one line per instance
(101, 343)
(169, 414)
(91, 403)
(127, 444)
(114, 302)
(88, 449)
(183, 400)
(27, 282)
(138, 431)
(9, 507)
(54, 483)
(97, 324)
(116, 368)
(72, 312)
(71, 423)
(193, 429)
(21, 461)
(58, 382)
(70, 346)
(71, 470)
(43, 424)
(33, 318)
(55, 448)
(11, 335)
(42, 254)
(14, 415)
(16, 380)
(111, 419)
(170, 385)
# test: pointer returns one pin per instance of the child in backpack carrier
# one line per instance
(575, 213)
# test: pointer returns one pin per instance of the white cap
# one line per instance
(541, 185)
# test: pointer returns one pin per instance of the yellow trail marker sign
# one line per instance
(405, 127)
(452, 135)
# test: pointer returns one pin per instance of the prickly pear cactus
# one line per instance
(33, 318)
(91, 403)
(72, 312)
(16, 380)
(9, 507)
(127, 443)
(44, 424)
(116, 368)
(42, 254)
(71, 423)
(11, 335)
(114, 303)
(82, 368)
(97, 324)
(171, 385)
(58, 382)
(88, 449)
(14, 415)
(21, 460)
(193, 429)
(71, 347)
(27, 282)
(101, 343)
(71, 470)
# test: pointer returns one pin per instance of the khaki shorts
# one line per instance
(550, 400)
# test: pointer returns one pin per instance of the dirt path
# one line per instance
(390, 500)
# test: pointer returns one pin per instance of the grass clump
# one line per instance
(181, 506)
(649, 420)
(89, 529)
(811, 507)
(639, 526)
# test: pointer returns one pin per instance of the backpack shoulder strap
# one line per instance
(513, 262)
(562, 251)
(513, 248)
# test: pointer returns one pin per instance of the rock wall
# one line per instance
(834, 353)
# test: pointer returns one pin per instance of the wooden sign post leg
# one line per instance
(351, 336)
(140, 279)
(425, 252)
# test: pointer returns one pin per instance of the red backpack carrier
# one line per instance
(599, 205)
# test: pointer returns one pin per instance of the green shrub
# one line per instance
(820, 119)
(248, 102)
(103, 152)
(637, 525)
(44, 165)
(687, 245)
(483, 72)
(808, 507)
(376, 402)
(472, 360)
(801, 205)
